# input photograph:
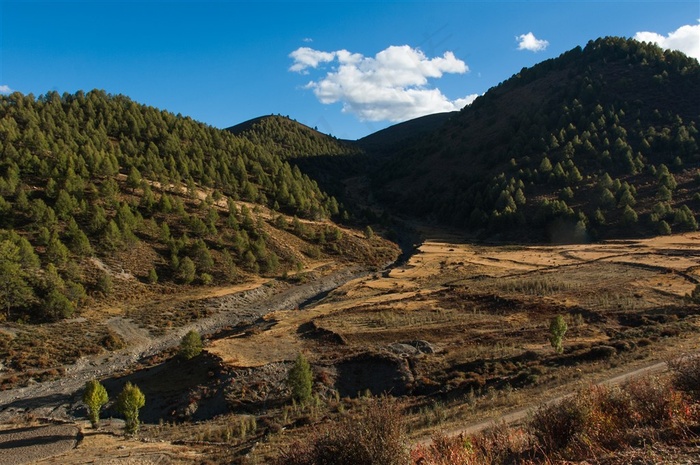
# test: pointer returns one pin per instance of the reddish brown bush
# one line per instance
(605, 417)
(445, 450)
(377, 436)
(686, 375)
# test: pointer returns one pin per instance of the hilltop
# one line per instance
(599, 142)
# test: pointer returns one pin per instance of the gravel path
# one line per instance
(55, 399)
(522, 413)
(29, 445)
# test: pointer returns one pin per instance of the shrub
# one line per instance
(605, 417)
(556, 426)
(686, 375)
(656, 403)
(186, 270)
(446, 450)
(377, 436)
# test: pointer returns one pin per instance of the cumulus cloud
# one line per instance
(5, 89)
(305, 57)
(391, 86)
(530, 42)
(685, 39)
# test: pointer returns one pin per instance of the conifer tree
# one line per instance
(94, 397)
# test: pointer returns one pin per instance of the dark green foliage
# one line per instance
(108, 171)
(57, 306)
(15, 291)
(300, 380)
(186, 270)
(288, 139)
(664, 228)
(629, 216)
(152, 276)
(588, 123)
(685, 219)
(190, 345)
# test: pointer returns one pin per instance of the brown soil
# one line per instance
(483, 312)
(34, 443)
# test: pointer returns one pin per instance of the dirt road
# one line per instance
(520, 414)
(56, 399)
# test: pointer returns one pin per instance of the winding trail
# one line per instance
(518, 415)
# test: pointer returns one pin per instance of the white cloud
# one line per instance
(4, 89)
(305, 57)
(392, 85)
(530, 42)
(685, 39)
(307, 39)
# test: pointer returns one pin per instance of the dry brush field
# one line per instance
(459, 333)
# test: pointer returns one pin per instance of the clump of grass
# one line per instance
(537, 286)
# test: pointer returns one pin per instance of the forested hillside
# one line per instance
(599, 142)
(324, 158)
(289, 139)
(92, 183)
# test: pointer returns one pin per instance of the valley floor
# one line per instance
(459, 333)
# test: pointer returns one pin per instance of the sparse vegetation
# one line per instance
(376, 436)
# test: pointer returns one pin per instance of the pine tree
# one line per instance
(129, 402)
(15, 292)
(190, 345)
(300, 380)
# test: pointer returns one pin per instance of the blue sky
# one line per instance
(347, 68)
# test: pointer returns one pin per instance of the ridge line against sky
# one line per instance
(347, 68)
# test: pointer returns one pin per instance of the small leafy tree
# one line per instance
(557, 329)
(94, 397)
(129, 401)
(191, 345)
(300, 380)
